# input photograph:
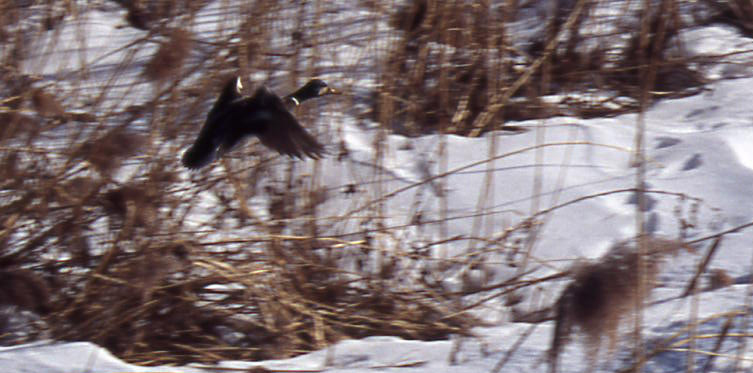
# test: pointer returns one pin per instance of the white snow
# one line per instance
(698, 147)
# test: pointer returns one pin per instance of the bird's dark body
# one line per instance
(234, 117)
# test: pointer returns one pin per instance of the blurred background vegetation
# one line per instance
(87, 253)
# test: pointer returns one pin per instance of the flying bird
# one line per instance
(234, 117)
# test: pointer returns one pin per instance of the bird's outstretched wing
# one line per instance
(204, 149)
(284, 133)
(231, 92)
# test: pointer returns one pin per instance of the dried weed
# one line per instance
(604, 293)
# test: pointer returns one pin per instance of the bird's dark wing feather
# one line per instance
(283, 133)
(204, 149)
(228, 95)
(219, 128)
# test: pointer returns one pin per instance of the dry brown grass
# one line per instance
(719, 278)
(454, 56)
(168, 60)
(125, 263)
(603, 294)
(738, 13)
(106, 153)
(23, 288)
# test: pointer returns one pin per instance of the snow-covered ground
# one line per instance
(699, 168)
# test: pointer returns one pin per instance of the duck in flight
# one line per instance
(233, 117)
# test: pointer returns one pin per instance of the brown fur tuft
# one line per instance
(603, 293)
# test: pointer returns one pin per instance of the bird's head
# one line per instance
(314, 88)
(320, 88)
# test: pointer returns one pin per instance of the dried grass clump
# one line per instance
(606, 292)
(46, 104)
(718, 279)
(153, 302)
(649, 46)
(25, 289)
(18, 127)
(455, 56)
(148, 15)
(738, 13)
(14, 90)
(106, 153)
(438, 75)
(9, 17)
(135, 203)
(170, 56)
(24, 300)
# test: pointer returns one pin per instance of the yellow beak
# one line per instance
(328, 91)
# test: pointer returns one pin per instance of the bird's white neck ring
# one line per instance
(295, 101)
